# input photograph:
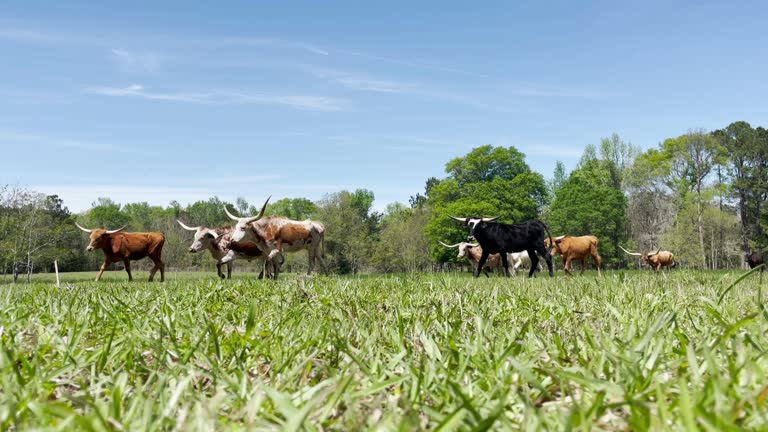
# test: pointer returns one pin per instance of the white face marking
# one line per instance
(472, 223)
(201, 241)
(239, 232)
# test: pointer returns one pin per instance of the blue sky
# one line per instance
(156, 101)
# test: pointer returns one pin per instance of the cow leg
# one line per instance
(319, 258)
(481, 263)
(505, 264)
(127, 263)
(583, 265)
(229, 270)
(596, 259)
(158, 266)
(534, 262)
(261, 274)
(218, 270)
(567, 266)
(101, 270)
(311, 258)
(547, 258)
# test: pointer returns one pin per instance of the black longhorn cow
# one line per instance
(495, 237)
(754, 259)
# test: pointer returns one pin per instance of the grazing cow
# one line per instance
(753, 260)
(219, 243)
(472, 252)
(655, 260)
(125, 247)
(275, 235)
(503, 238)
(577, 249)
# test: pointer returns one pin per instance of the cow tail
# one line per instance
(551, 243)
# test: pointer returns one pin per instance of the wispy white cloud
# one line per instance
(141, 61)
(265, 42)
(16, 137)
(307, 102)
(543, 90)
(363, 82)
(414, 64)
(182, 180)
(22, 34)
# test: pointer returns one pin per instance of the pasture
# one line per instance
(629, 350)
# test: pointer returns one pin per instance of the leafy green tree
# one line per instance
(558, 178)
(488, 181)
(292, 208)
(208, 213)
(589, 203)
(748, 167)
(402, 244)
(350, 234)
(106, 214)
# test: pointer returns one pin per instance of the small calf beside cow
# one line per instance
(472, 252)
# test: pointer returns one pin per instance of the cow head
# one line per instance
(98, 237)
(558, 242)
(240, 230)
(474, 224)
(203, 237)
(463, 248)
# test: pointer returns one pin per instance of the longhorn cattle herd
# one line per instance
(266, 239)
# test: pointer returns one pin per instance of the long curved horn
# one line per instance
(186, 227)
(490, 219)
(84, 229)
(630, 253)
(114, 231)
(213, 234)
(652, 254)
(458, 219)
(231, 216)
(449, 246)
(261, 213)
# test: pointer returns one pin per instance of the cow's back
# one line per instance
(515, 237)
(580, 247)
(138, 245)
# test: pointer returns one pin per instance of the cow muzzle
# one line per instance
(89, 248)
(470, 238)
(191, 250)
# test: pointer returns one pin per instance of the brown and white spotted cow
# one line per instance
(276, 234)
(219, 243)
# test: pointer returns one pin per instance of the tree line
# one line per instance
(700, 195)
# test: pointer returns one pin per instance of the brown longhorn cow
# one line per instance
(218, 241)
(127, 247)
(655, 260)
(577, 249)
(472, 252)
(275, 235)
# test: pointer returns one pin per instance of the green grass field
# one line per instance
(630, 350)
